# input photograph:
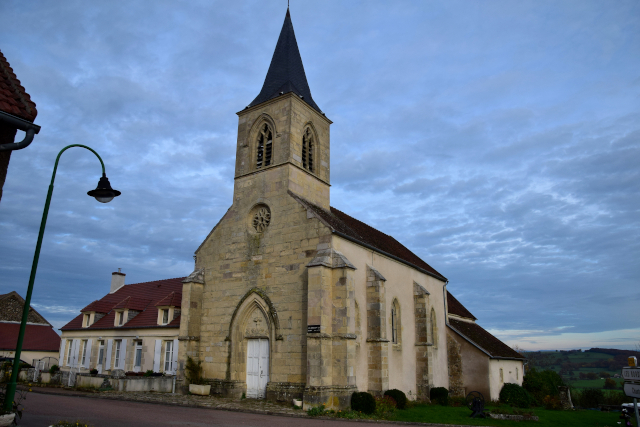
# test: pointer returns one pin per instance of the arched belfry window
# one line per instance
(308, 145)
(264, 146)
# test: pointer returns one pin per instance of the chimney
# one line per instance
(117, 280)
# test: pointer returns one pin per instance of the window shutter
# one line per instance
(156, 356)
(87, 362)
(61, 359)
(123, 355)
(175, 355)
(107, 364)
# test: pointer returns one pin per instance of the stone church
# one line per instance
(292, 298)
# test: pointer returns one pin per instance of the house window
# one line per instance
(517, 375)
(138, 357)
(69, 342)
(165, 316)
(120, 318)
(307, 150)
(84, 352)
(395, 320)
(87, 318)
(168, 356)
(101, 353)
(264, 146)
(501, 376)
(116, 363)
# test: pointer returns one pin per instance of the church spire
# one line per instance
(286, 72)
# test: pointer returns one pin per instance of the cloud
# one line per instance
(498, 141)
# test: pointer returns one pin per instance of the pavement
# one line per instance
(46, 405)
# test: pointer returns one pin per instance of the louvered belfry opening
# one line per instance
(264, 147)
(307, 150)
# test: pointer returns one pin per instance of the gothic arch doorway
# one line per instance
(252, 336)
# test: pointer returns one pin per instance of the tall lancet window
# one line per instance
(307, 150)
(265, 139)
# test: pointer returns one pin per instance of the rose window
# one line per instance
(261, 219)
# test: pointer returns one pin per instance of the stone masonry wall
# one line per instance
(11, 311)
(456, 384)
(237, 259)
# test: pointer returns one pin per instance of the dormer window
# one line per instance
(87, 320)
(307, 150)
(264, 146)
(166, 314)
(120, 318)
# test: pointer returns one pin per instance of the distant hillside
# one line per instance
(589, 368)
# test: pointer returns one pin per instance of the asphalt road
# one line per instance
(45, 409)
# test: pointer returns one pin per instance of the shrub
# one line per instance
(53, 369)
(615, 398)
(363, 402)
(385, 406)
(94, 371)
(552, 402)
(542, 383)
(194, 371)
(439, 395)
(515, 395)
(610, 384)
(148, 373)
(315, 411)
(591, 398)
(398, 396)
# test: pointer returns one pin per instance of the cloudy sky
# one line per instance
(499, 140)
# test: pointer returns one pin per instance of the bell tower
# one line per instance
(283, 136)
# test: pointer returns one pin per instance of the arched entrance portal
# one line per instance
(252, 334)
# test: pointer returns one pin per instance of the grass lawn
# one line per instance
(461, 415)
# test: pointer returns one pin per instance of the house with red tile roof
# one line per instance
(293, 298)
(40, 340)
(16, 101)
(132, 328)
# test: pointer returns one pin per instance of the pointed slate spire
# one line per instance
(286, 72)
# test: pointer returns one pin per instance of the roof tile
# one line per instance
(483, 339)
(358, 230)
(13, 98)
(36, 337)
(454, 307)
(134, 297)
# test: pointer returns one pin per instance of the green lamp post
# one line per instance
(104, 194)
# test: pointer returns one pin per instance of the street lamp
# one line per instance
(104, 194)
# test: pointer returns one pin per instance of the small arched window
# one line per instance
(308, 144)
(264, 146)
(434, 329)
(396, 330)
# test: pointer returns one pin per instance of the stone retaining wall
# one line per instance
(135, 384)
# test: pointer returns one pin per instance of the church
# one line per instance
(292, 298)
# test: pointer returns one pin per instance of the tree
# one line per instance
(610, 384)
(605, 375)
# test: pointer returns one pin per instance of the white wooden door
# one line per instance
(257, 367)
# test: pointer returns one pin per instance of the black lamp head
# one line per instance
(103, 192)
